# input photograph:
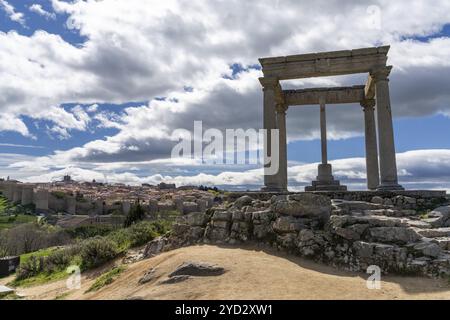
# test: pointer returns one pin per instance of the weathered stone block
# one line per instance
(217, 234)
(304, 205)
(428, 249)
(261, 231)
(221, 224)
(265, 216)
(435, 233)
(197, 219)
(287, 224)
(189, 207)
(363, 249)
(243, 201)
(394, 234)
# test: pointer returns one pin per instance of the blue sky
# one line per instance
(171, 69)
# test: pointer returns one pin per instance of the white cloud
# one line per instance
(12, 13)
(37, 8)
(12, 123)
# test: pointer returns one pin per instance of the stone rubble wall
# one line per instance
(348, 234)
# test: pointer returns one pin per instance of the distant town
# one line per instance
(74, 203)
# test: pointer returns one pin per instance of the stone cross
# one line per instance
(374, 95)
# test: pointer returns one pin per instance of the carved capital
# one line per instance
(281, 107)
(269, 83)
(381, 74)
(367, 104)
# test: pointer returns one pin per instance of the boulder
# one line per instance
(304, 205)
(434, 233)
(363, 249)
(439, 217)
(394, 234)
(359, 206)
(288, 224)
(305, 235)
(444, 242)
(377, 200)
(198, 219)
(352, 232)
(217, 234)
(149, 275)
(197, 269)
(155, 247)
(261, 231)
(243, 201)
(189, 207)
(265, 216)
(429, 249)
(175, 279)
(220, 215)
(220, 224)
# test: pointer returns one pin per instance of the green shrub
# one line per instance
(61, 258)
(141, 233)
(162, 226)
(32, 267)
(96, 251)
(84, 232)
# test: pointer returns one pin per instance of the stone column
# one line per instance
(269, 122)
(323, 131)
(325, 180)
(282, 178)
(373, 174)
(324, 169)
(388, 165)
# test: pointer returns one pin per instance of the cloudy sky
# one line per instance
(96, 88)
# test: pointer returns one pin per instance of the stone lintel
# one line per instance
(383, 50)
(336, 95)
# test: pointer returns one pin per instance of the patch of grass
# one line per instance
(40, 253)
(50, 264)
(106, 279)
(7, 222)
(424, 215)
(40, 279)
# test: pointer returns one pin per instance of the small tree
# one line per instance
(136, 214)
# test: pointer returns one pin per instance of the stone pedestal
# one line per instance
(325, 180)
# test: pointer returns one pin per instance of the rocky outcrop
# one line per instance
(198, 269)
(349, 234)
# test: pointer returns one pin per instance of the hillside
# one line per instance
(251, 274)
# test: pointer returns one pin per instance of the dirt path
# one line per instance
(252, 274)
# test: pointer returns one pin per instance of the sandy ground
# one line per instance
(252, 274)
